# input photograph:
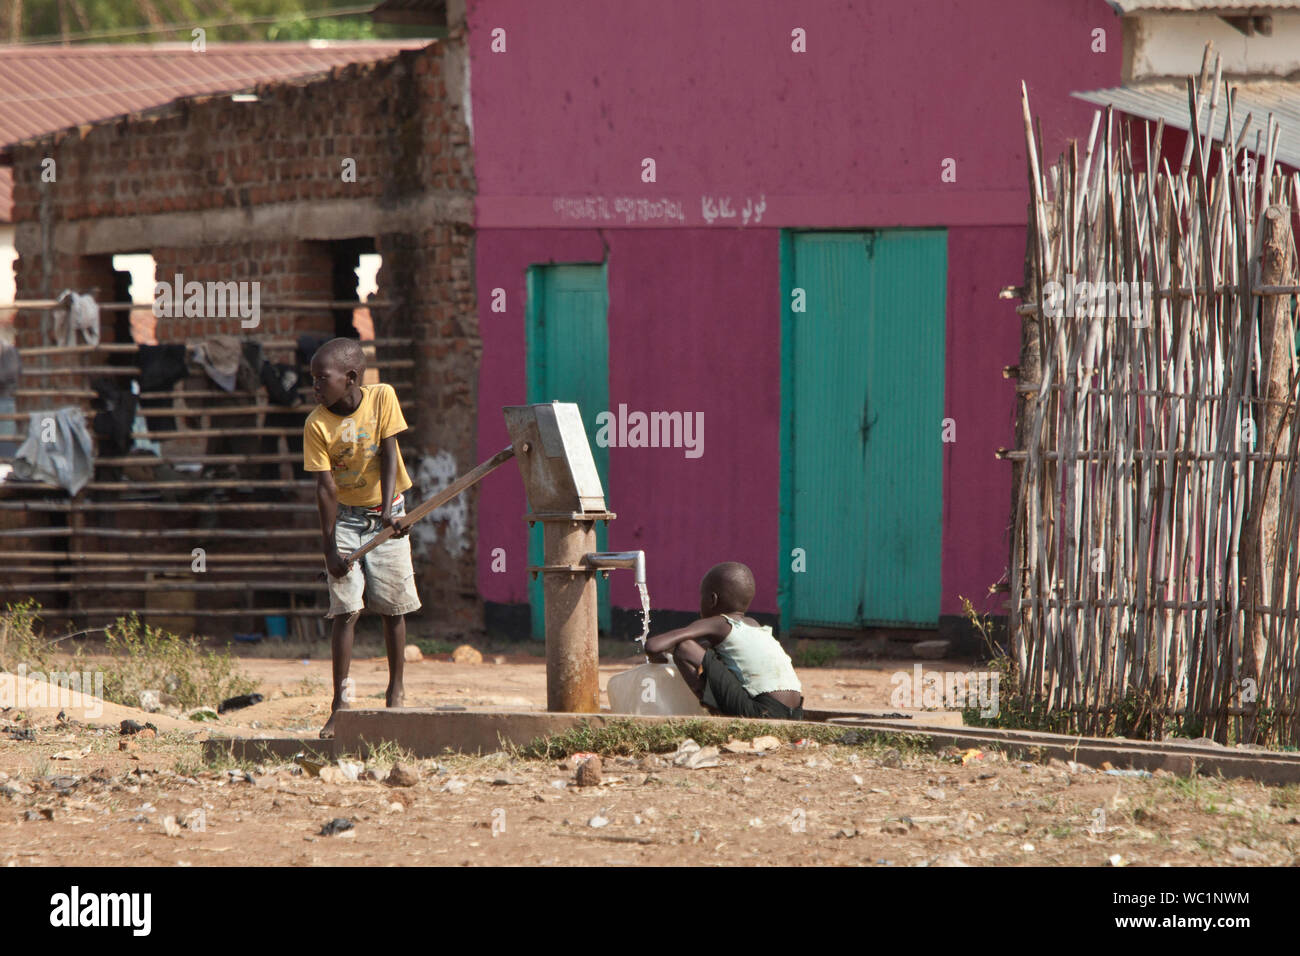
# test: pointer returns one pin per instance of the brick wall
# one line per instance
(195, 161)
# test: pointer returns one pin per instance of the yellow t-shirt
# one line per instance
(349, 445)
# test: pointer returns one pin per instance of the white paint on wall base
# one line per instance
(436, 472)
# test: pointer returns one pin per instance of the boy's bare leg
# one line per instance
(689, 657)
(395, 644)
(341, 634)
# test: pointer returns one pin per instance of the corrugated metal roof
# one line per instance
(1237, 7)
(1168, 101)
(46, 88)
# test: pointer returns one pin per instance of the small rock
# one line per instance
(1116, 860)
(336, 826)
(171, 827)
(402, 775)
(151, 701)
(845, 833)
(857, 780)
(589, 772)
(377, 774)
(598, 821)
(934, 793)
(931, 650)
(396, 807)
(466, 655)
(949, 859)
(498, 659)
(891, 758)
(692, 756)
(1243, 853)
(333, 775)
(1027, 847)
(351, 769)
(896, 827)
(507, 781)
(412, 654)
(454, 786)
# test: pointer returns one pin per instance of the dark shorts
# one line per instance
(724, 692)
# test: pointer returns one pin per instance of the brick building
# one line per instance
(286, 184)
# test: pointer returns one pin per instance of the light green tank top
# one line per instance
(754, 655)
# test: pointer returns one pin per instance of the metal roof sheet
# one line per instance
(1168, 101)
(46, 88)
(1230, 7)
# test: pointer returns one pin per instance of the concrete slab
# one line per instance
(1180, 757)
(429, 732)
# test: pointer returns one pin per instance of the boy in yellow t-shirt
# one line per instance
(350, 441)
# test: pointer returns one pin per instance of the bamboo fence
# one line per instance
(1155, 563)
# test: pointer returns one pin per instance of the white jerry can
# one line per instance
(653, 689)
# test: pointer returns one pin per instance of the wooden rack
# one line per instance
(252, 511)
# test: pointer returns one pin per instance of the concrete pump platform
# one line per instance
(429, 733)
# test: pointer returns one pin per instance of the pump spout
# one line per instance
(603, 560)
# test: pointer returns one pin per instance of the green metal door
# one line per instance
(862, 412)
(568, 361)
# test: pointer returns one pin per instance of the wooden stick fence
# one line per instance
(1155, 567)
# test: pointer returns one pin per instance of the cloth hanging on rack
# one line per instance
(140, 440)
(117, 412)
(161, 367)
(307, 346)
(58, 449)
(219, 356)
(76, 313)
(11, 368)
(281, 383)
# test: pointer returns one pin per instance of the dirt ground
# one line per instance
(863, 804)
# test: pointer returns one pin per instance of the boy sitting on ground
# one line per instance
(350, 441)
(732, 663)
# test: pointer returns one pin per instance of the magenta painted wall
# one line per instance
(849, 135)
(983, 338)
(694, 325)
(852, 132)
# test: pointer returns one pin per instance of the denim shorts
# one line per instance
(384, 575)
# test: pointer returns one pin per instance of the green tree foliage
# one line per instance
(160, 21)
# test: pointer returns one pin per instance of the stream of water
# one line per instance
(645, 613)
